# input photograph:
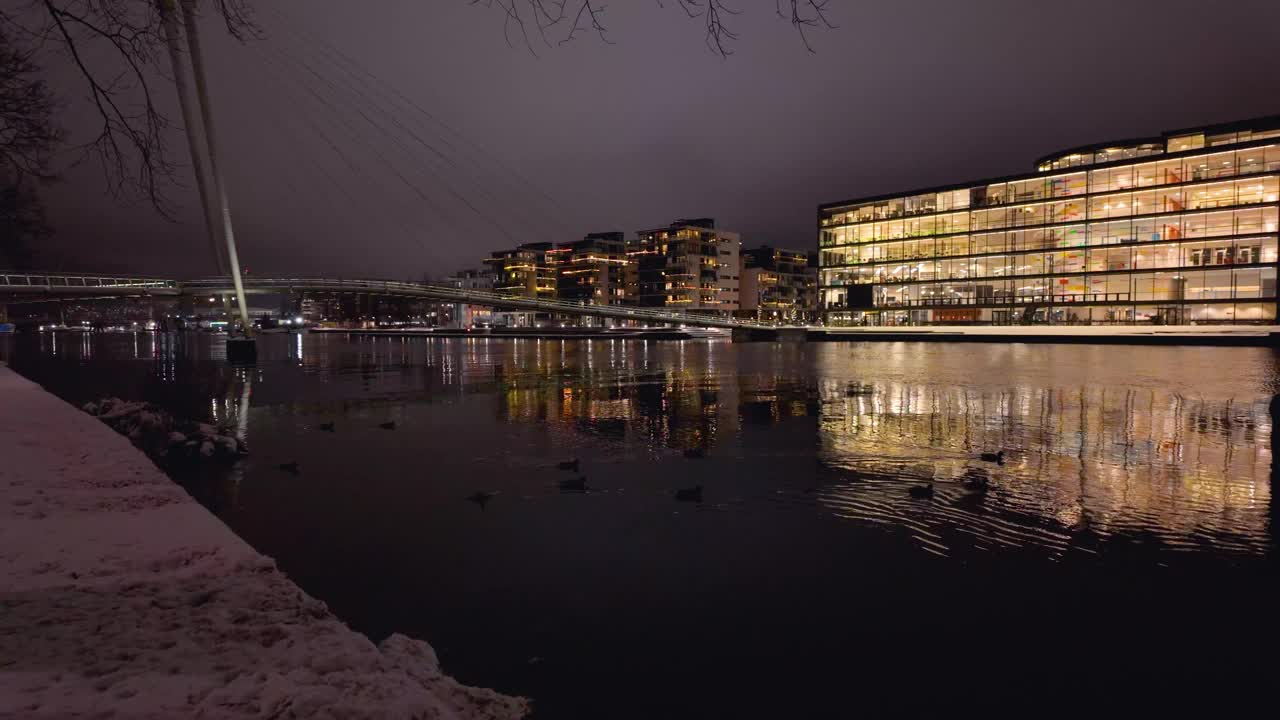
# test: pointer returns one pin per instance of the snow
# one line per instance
(158, 434)
(119, 594)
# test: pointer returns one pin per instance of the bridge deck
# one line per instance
(31, 286)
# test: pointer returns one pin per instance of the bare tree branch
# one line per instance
(806, 13)
(576, 16)
(592, 14)
(27, 130)
(130, 144)
(141, 130)
(27, 134)
(544, 14)
(238, 18)
(23, 225)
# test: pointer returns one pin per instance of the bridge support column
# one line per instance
(186, 307)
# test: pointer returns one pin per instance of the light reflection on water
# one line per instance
(1088, 460)
(1167, 445)
(1133, 510)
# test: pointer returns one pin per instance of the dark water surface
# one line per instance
(1123, 553)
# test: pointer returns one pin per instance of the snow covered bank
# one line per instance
(119, 593)
(160, 436)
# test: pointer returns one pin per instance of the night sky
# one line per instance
(589, 136)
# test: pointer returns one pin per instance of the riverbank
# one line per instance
(1220, 335)
(118, 592)
(1212, 335)
(539, 333)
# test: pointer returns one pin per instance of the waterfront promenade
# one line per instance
(1229, 335)
(1101, 334)
(120, 594)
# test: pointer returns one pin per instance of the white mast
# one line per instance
(219, 185)
(172, 37)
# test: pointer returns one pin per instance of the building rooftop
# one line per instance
(1170, 142)
(1163, 141)
(701, 223)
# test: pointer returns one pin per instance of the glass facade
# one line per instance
(1178, 230)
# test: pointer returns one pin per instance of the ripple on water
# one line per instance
(1086, 464)
(1169, 447)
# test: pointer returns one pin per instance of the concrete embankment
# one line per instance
(121, 596)
(1224, 335)
(548, 333)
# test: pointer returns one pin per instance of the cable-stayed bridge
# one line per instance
(44, 287)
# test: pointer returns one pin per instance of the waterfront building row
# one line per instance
(688, 265)
(1176, 229)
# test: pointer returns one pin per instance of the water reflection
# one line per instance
(1084, 463)
(1164, 446)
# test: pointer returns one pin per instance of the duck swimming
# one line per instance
(577, 485)
(482, 497)
(692, 494)
(921, 491)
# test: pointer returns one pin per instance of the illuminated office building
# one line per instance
(1176, 229)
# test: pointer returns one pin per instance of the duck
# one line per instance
(978, 483)
(691, 494)
(921, 491)
(973, 499)
(482, 497)
(290, 467)
(994, 457)
(327, 427)
(695, 453)
(571, 465)
(388, 425)
(578, 485)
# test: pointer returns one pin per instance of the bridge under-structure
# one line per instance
(46, 287)
(18, 287)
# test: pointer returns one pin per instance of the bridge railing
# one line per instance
(81, 283)
(50, 281)
(447, 293)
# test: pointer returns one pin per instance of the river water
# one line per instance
(1129, 524)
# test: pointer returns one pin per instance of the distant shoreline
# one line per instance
(550, 333)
